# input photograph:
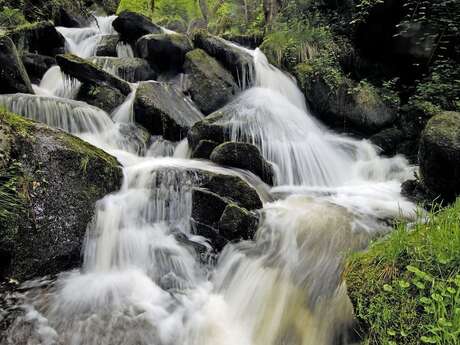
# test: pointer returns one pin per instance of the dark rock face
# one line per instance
(69, 19)
(108, 46)
(244, 156)
(208, 129)
(388, 140)
(36, 65)
(13, 74)
(50, 184)
(204, 149)
(165, 52)
(41, 38)
(104, 97)
(211, 86)
(349, 106)
(236, 60)
(439, 155)
(131, 26)
(129, 69)
(164, 110)
(219, 219)
(87, 72)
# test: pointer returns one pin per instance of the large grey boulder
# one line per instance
(131, 26)
(236, 60)
(163, 110)
(87, 72)
(439, 155)
(104, 97)
(40, 38)
(244, 156)
(13, 75)
(129, 69)
(210, 85)
(165, 52)
(50, 184)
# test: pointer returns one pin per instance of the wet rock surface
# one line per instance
(131, 26)
(36, 65)
(50, 184)
(130, 69)
(104, 97)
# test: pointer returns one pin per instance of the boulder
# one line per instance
(163, 110)
(69, 19)
(88, 72)
(204, 149)
(243, 156)
(131, 26)
(104, 97)
(36, 65)
(165, 52)
(13, 74)
(129, 69)
(388, 140)
(108, 46)
(236, 60)
(439, 155)
(219, 219)
(211, 86)
(211, 128)
(41, 38)
(50, 184)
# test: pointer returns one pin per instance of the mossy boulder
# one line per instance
(237, 61)
(50, 182)
(388, 140)
(108, 46)
(211, 128)
(129, 69)
(40, 38)
(132, 26)
(104, 97)
(87, 72)
(211, 85)
(165, 51)
(439, 155)
(341, 102)
(163, 110)
(244, 156)
(13, 75)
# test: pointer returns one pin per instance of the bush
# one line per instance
(406, 288)
(10, 17)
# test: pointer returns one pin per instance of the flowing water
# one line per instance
(147, 279)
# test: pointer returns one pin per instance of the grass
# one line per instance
(406, 287)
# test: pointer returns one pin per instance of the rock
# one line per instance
(104, 97)
(219, 219)
(41, 38)
(69, 19)
(388, 140)
(212, 128)
(108, 46)
(88, 72)
(237, 61)
(244, 156)
(129, 69)
(51, 183)
(248, 41)
(439, 155)
(204, 149)
(131, 26)
(211, 86)
(36, 65)
(165, 52)
(163, 110)
(13, 74)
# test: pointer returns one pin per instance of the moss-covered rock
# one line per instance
(211, 86)
(104, 97)
(439, 155)
(13, 74)
(108, 46)
(165, 51)
(132, 26)
(50, 182)
(40, 38)
(87, 72)
(129, 69)
(163, 110)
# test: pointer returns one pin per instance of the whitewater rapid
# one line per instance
(141, 283)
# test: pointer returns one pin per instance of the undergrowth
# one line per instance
(406, 287)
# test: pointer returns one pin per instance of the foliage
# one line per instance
(362, 9)
(406, 287)
(138, 6)
(10, 17)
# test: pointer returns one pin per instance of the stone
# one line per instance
(108, 46)
(131, 26)
(36, 65)
(104, 97)
(132, 70)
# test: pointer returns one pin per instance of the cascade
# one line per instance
(142, 281)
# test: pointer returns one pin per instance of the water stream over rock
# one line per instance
(146, 277)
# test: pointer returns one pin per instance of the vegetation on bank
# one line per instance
(406, 288)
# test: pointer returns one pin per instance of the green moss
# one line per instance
(406, 287)
(19, 124)
(446, 126)
(138, 6)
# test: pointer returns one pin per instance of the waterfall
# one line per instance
(143, 280)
